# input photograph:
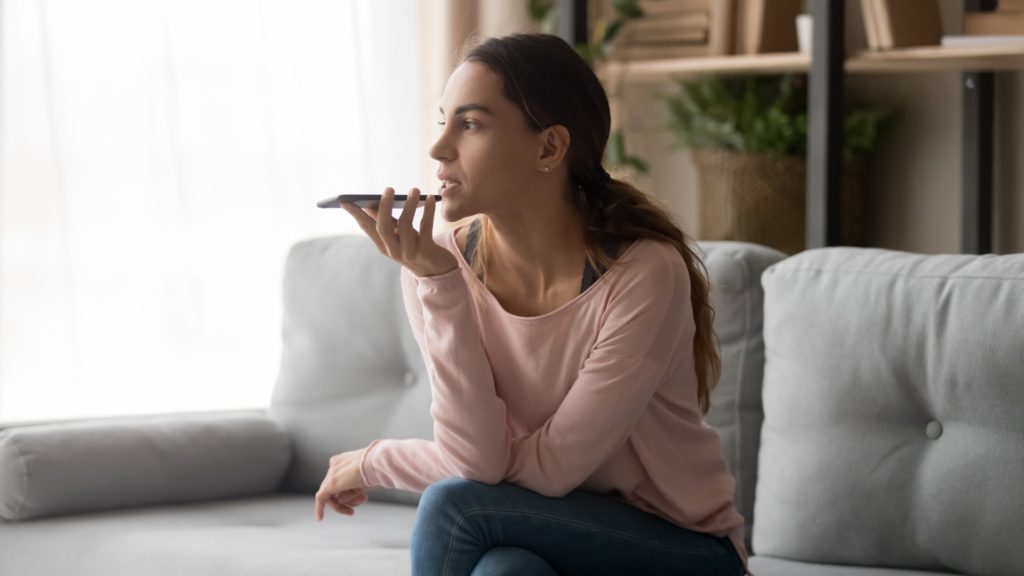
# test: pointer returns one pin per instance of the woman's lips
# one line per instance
(445, 191)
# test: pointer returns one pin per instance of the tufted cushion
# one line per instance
(893, 404)
(735, 271)
(74, 467)
(350, 367)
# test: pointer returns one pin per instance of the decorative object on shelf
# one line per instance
(766, 26)
(805, 28)
(749, 141)
(892, 24)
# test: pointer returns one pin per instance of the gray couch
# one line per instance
(892, 438)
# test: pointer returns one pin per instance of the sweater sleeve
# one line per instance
(413, 464)
(470, 427)
(648, 318)
(408, 464)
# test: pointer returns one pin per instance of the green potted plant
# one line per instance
(749, 140)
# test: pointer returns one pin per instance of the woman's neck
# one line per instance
(537, 253)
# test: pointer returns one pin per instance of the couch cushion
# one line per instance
(735, 270)
(351, 370)
(893, 399)
(266, 536)
(767, 566)
(67, 468)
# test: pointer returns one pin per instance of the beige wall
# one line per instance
(444, 27)
(915, 178)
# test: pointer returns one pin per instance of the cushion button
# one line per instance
(934, 430)
(410, 379)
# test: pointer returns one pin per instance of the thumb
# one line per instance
(427, 221)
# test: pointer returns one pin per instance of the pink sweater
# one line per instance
(600, 394)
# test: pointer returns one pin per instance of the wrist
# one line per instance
(365, 464)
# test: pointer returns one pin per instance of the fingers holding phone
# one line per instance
(396, 238)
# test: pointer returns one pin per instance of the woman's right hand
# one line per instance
(398, 240)
(345, 502)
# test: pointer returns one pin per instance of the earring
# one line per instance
(547, 168)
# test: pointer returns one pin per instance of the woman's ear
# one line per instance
(555, 142)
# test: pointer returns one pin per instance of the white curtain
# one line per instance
(157, 160)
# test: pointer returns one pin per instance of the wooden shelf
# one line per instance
(924, 59)
(939, 59)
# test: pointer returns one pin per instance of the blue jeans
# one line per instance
(469, 528)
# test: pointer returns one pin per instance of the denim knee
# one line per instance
(512, 561)
(447, 494)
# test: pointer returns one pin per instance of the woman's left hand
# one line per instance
(398, 240)
(343, 486)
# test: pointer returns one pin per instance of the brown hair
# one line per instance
(544, 77)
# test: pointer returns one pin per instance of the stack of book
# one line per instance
(901, 23)
(674, 29)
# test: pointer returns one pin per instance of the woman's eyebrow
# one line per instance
(468, 107)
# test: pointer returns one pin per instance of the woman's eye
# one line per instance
(466, 124)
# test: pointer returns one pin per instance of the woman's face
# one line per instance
(485, 145)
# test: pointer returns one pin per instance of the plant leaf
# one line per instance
(627, 8)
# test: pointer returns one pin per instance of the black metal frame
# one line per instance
(571, 24)
(978, 153)
(978, 164)
(825, 127)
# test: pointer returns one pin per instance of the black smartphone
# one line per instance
(371, 200)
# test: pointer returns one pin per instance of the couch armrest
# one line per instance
(70, 467)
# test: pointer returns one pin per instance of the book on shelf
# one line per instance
(672, 7)
(656, 52)
(954, 41)
(763, 27)
(683, 26)
(686, 39)
(997, 23)
(722, 29)
(904, 23)
(867, 8)
(1010, 6)
(673, 29)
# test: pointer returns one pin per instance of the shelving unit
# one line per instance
(907, 60)
(827, 67)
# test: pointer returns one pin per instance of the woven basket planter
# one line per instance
(762, 198)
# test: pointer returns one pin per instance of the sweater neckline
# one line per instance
(566, 305)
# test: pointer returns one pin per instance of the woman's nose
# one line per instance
(439, 149)
(442, 148)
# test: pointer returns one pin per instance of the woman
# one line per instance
(568, 337)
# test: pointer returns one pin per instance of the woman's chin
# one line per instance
(449, 210)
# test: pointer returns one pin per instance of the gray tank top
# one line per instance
(589, 274)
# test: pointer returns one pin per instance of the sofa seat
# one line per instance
(257, 536)
(768, 566)
(269, 535)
